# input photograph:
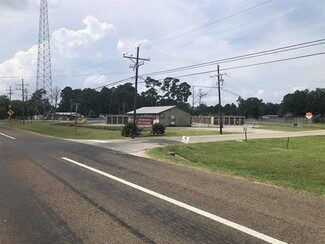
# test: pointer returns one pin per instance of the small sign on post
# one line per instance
(10, 112)
(309, 115)
(186, 139)
(245, 130)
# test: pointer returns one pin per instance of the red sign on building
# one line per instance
(144, 122)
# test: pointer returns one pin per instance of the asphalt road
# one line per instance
(59, 191)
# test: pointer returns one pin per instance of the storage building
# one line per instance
(166, 115)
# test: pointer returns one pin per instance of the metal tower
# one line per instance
(44, 75)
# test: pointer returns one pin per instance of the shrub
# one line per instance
(158, 129)
(128, 130)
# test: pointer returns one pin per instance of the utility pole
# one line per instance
(9, 93)
(75, 119)
(219, 95)
(135, 67)
(23, 89)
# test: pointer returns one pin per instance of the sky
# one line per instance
(89, 38)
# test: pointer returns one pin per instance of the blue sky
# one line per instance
(89, 37)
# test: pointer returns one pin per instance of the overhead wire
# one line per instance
(242, 57)
(255, 64)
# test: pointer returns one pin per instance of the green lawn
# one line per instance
(290, 127)
(103, 132)
(301, 167)
(65, 131)
(170, 132)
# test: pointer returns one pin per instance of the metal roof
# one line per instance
(152, 110)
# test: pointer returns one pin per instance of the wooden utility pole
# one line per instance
(22, 88)
(136, 68)
(9, 93)
(219, 95)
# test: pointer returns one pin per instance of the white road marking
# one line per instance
(8, 136)
(183, 205)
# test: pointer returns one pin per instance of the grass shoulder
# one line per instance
(301, 167)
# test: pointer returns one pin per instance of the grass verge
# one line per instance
(103, 132)
(290, 127)
(301, 167)
(68, 132)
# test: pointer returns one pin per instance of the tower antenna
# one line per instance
(44, 75)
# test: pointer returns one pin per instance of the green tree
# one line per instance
(122, 98)
(174, 92)
(251, 107)
(66, 99)
(316, 102)
(38, 103)
(229, 109)
(270, 109)
(295, 103)
(105, 100)
(89, 102)
(151, 94)
(4, 106)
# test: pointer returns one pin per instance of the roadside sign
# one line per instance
(309, 115)
(10, 112)
(144, 122)
(185, 139)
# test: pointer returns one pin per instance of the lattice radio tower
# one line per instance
(44, 75)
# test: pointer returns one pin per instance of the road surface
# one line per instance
(60, 191)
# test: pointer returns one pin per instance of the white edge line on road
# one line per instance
(183, 205)
(8, 136)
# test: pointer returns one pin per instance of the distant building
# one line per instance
(226, 120)
(65, 116)
(166, 115)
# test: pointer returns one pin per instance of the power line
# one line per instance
(244, 56)
(255, 64)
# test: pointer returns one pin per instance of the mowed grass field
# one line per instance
(102, 132)
(65, 131)
(301, 167)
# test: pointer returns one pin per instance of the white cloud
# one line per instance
(95, 48)
(22, 65)
(259, 94)
(68, 41)
(95, 81)
(13, 4)
(129, 46)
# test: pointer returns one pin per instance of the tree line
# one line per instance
(171, 91)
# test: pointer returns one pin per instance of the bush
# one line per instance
(128, 130)
(158, 129)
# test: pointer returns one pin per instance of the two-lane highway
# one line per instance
(57, 191)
